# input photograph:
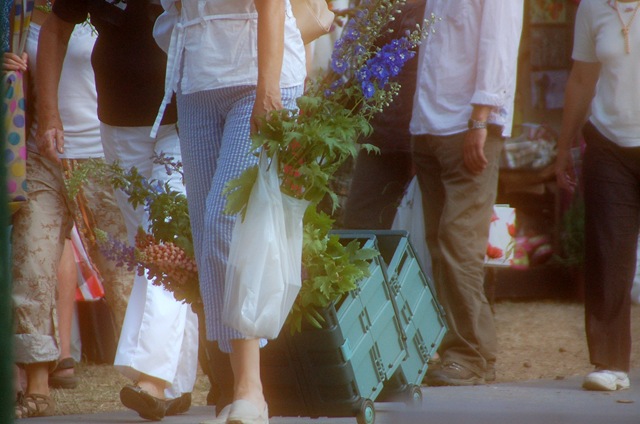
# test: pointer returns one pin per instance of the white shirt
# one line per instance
(615, 109)
(471, 58)
(217, 40)
(78, 101)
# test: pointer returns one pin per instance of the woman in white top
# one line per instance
(230, 62)
(605, 80)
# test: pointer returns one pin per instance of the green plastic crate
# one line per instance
(374, 339)
(419, 313)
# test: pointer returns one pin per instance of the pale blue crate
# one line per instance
(374, 339)
(419, 313)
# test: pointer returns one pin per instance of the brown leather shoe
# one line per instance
(147, 406)
(63, 381)
(453, 374)
(179, 405)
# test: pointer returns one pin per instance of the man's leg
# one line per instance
(459, 239)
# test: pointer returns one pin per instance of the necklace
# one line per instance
(627, 26)
(46, 8)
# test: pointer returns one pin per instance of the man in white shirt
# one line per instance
(463, 108)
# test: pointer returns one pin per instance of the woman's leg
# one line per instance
(245, 363)
(39, 228)
(65, 302)
(612, 206)
(67, 281)
(38, 378)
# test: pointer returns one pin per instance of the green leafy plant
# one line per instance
(165, 249)
(314, 140)
(330, 269)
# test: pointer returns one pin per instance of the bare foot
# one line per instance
(154, 386)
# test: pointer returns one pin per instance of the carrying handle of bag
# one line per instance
(265, 163)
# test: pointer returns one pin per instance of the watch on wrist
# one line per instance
(477, 125)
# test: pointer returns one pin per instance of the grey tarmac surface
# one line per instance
(532, 402)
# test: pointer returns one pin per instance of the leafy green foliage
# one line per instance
(239, 190)
(331, 269)
(167, 208)
(167, 251)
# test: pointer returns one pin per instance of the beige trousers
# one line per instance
(38, 235)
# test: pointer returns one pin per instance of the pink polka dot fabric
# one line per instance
(15, 150)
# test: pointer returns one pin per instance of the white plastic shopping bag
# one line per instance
(263, 275)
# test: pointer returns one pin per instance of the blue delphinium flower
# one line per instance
(380, 71)
(335, 85)
(368, 89)
(351, 33)
(385, 64)
(339, 65)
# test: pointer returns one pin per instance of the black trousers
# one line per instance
(377, 186)
(612, 215)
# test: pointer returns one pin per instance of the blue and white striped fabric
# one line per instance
(215, 144)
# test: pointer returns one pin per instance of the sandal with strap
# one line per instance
(63, 381)
(34, 405)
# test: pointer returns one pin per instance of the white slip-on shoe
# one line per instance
(606, 380)
(221, 418)
(245, 412)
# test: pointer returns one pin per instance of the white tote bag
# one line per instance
(263, 275)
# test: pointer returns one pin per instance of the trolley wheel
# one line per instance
(413, 395)
(366, 413)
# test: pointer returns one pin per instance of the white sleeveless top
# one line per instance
(78, 102)
(218, 42)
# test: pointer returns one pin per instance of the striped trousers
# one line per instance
(215, 144)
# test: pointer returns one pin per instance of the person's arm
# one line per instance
(474, 140)
(270, 56)
(13, 62)
(52, 49)
(579, 92)
(499, 40)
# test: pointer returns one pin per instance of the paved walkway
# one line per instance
(534, 402)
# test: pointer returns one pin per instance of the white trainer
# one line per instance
(606, 380)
